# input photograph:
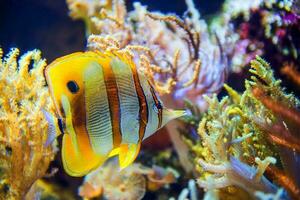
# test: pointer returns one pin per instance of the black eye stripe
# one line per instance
(73, 87)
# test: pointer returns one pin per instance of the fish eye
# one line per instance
(73, 87)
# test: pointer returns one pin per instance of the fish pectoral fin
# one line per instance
(128, 153)
(81, 161)
(53, 129)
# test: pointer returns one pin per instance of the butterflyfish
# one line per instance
(106, 106)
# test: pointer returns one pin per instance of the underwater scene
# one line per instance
(148, 99)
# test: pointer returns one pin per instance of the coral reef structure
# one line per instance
(24, 158)
(239, 141)
(242, 130)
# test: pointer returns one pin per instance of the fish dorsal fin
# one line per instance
(98, 119)
(170, 114)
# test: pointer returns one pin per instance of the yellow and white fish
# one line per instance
(107, 108)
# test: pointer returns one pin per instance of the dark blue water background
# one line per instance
(45, 24)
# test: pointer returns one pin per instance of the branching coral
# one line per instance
(223, 152)
(85, 9)
(24, 158)
(234, 134)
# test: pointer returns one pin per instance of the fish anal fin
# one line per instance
(127, 154)
(79, 162)
(114, 152)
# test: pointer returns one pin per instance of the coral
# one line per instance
(24, 158)
(278, 25)
(85, 9)
(223, 152)
(238, 130)
(244, 144)
(130, 183)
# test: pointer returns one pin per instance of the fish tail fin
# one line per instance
(169, 114)
(79, 162)
(128, 153)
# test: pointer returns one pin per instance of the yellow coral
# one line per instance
(23, 128)
(85, 9)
